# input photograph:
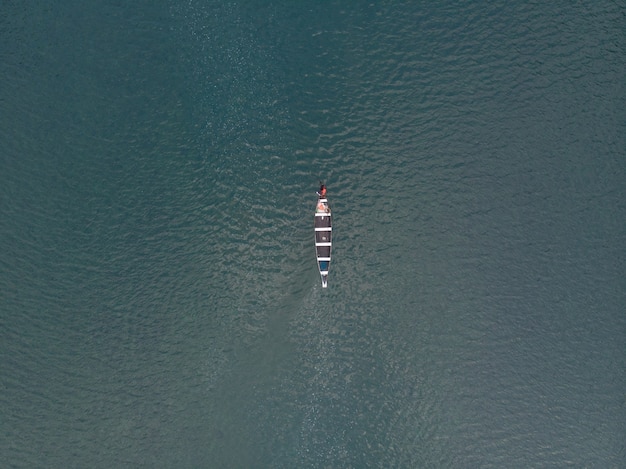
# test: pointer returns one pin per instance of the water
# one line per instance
(161, 305)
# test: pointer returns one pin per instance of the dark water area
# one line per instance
(160, 304)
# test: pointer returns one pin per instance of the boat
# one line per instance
(323, 235)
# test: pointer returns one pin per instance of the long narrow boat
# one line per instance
(323, 236)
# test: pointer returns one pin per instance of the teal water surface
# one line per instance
(160, 304)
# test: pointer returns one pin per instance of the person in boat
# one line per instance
(322, 206)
